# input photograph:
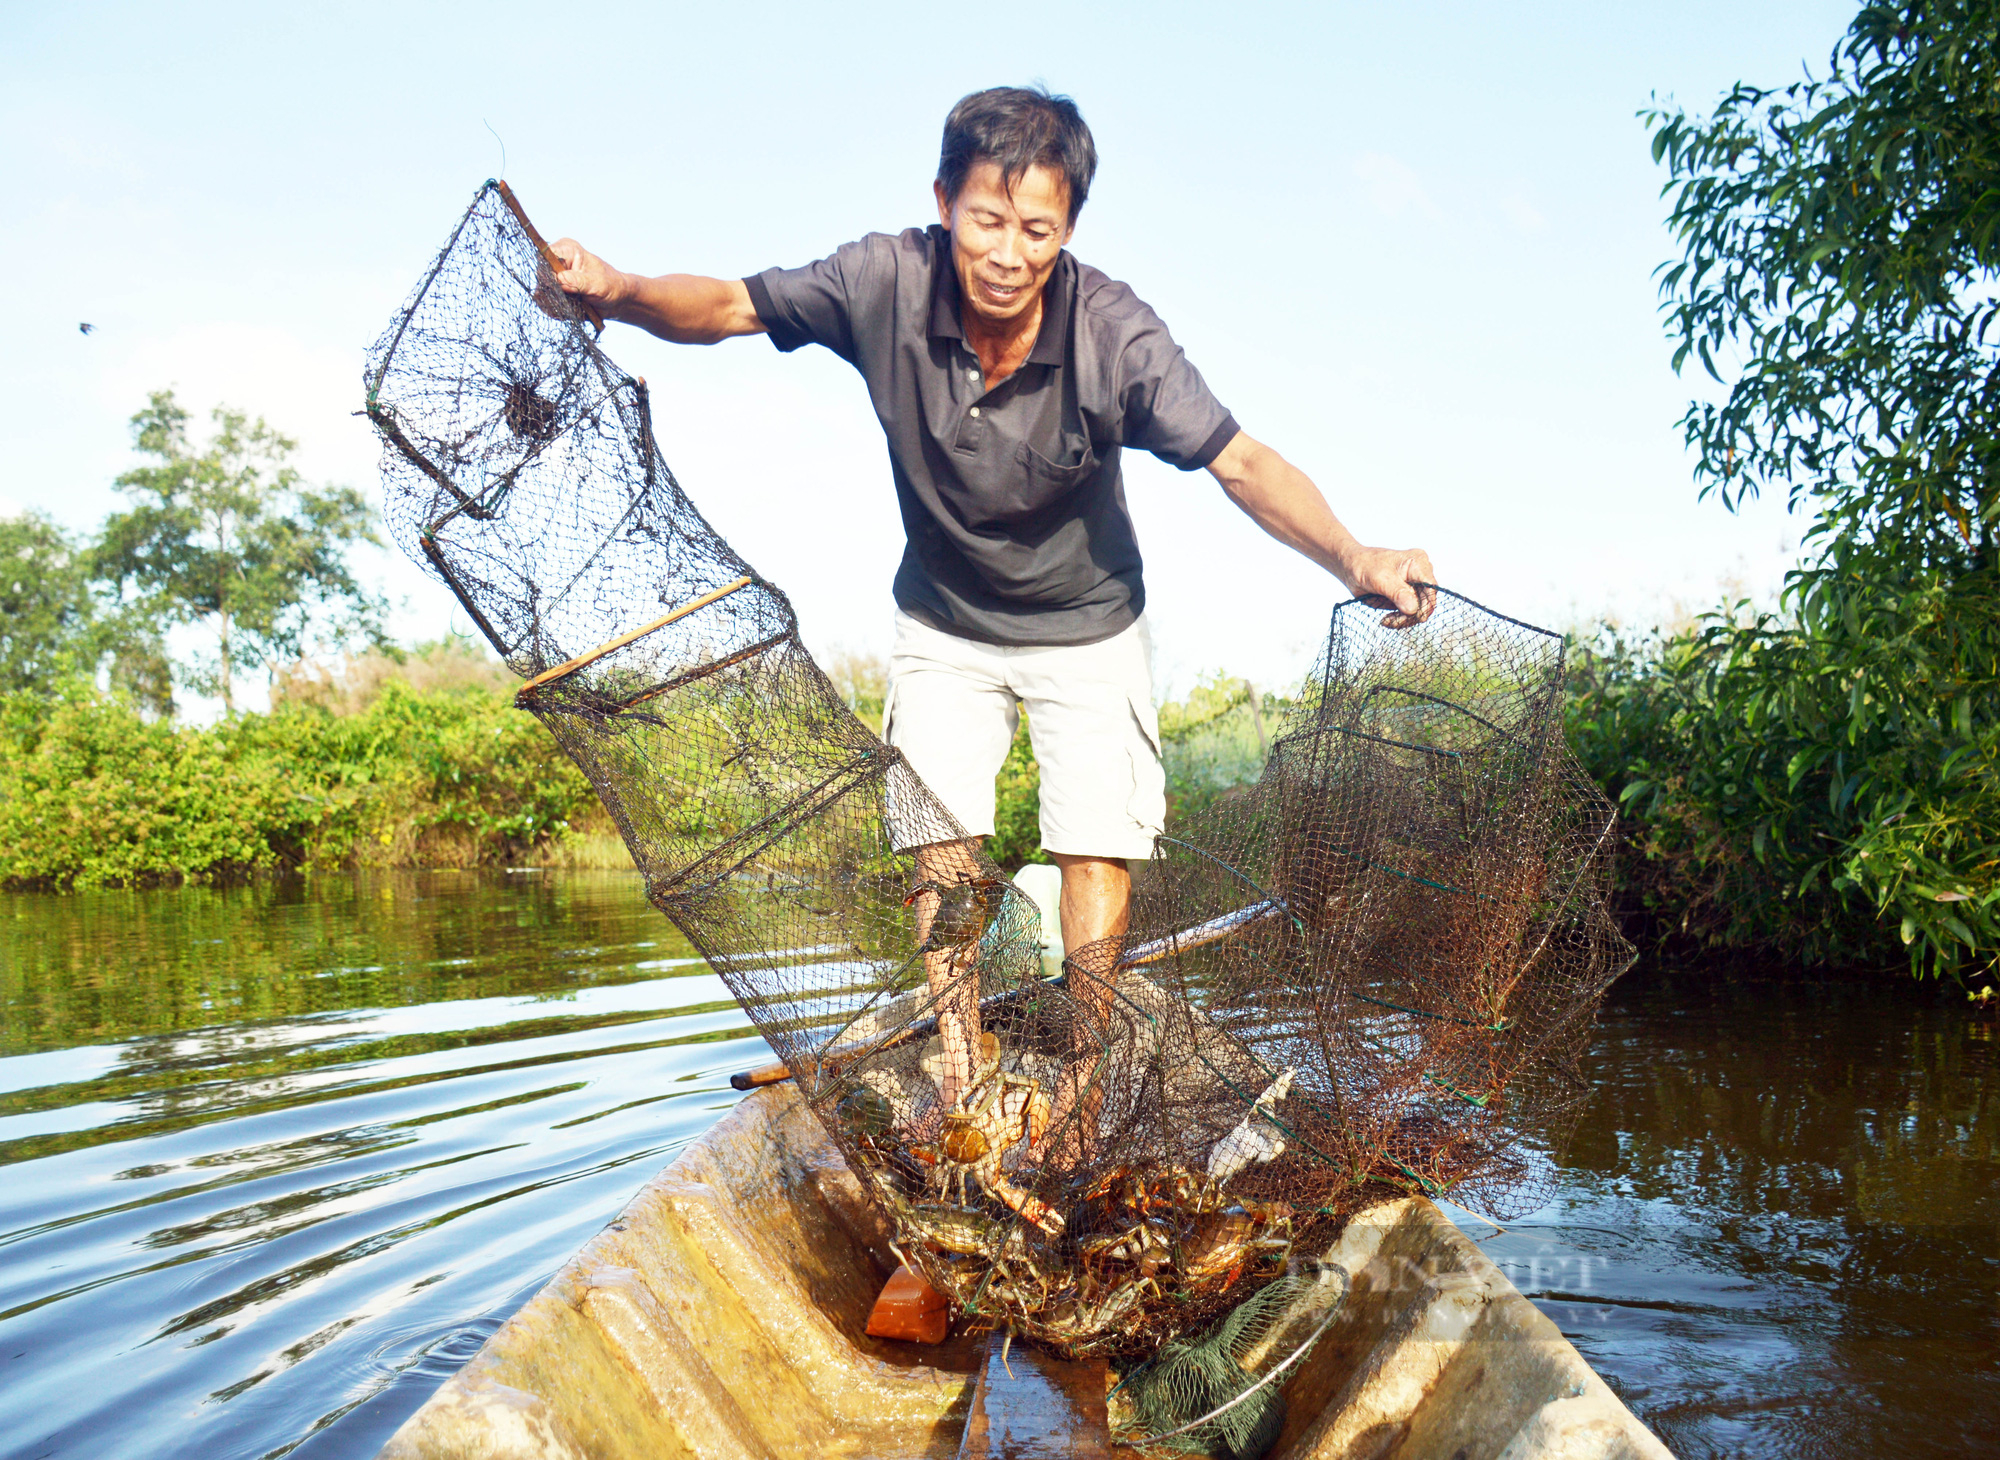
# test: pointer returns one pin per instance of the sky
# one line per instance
(1412, 247)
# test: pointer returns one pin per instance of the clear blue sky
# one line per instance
(1410, 246)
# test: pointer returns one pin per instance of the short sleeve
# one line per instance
(1167, 407)
(817, 304)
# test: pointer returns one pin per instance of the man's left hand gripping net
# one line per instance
(1369, 974)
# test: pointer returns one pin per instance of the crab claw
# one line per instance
(1025, 1203)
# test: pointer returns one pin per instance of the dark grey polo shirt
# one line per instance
(1012, 498)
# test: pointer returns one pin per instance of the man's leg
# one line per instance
(952, 976)
(952, 716)
(1096, 898)
(1090, 711)
(1096, 905)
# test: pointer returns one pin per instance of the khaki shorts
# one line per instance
(952, 711)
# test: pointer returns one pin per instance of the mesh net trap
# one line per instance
(1370, 973)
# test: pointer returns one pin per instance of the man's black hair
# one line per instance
(1018, 127)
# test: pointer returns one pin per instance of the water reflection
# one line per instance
(279, 1159)
(1779, 1230)
(329, 1133)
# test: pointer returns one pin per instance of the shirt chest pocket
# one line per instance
(1037, 483)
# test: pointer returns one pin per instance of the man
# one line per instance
(1007, 376)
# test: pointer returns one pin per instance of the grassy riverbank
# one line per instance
(420, 764)
(93, 794)
(426, 764)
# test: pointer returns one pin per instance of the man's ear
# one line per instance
(944, 205)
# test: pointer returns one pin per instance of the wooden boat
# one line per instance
(723, 1316)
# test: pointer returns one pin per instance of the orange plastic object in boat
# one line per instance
(909, 1309)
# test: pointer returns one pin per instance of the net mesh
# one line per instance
(1371, 972)
(1219, 1394)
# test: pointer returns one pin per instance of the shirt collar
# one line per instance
(1051, 341)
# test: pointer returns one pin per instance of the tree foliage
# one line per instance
(48, 613)
(229, 535)
(1841, 236)
(91, 794)
(55, 625)
(1810, 779)
(1216, 740)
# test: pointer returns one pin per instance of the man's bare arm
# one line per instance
(685, 308)
(1282, 500)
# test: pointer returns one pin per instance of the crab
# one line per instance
(963, 1231)
(963, 912)
(1225, 1242)
(999, 1111)
(1146, 1246)
(1081, 1318)
(1157, 1188)
(1008, 1270)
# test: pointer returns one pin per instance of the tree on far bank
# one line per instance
(55, 626)
(229, 535)
(1817, 778)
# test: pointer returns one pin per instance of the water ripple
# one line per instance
(279, 1159)
(276, 1235)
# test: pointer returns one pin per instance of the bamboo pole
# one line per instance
(702, 671)
(548, 254)
(569, 667)
(835, 1060)
(1201, 934)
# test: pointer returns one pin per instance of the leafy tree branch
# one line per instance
(228, 535)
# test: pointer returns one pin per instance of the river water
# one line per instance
(275, 1160)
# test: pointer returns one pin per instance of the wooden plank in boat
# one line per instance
(1028, 1406)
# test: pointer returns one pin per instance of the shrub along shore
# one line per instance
(92, 794)
(419, 764)
(426, 764)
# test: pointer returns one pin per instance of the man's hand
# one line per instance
(1391, 578)
(685, 308)
(1282, 500)
(589, 277)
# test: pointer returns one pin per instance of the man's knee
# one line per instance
(948, 862)
(1092, 871)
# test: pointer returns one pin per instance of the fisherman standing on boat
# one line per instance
(1008, 377)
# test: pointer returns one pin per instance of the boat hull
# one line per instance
(723, 1316)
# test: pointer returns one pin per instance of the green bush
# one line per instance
(1017, 806)
(1216, 739)
(1822, 793)
(93, 794)
(1823, 784)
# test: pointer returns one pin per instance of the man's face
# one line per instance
(1005, 245)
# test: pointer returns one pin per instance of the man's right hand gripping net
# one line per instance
(1369, 973)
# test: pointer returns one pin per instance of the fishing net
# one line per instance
(1220, 1394)
(1369, 973)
